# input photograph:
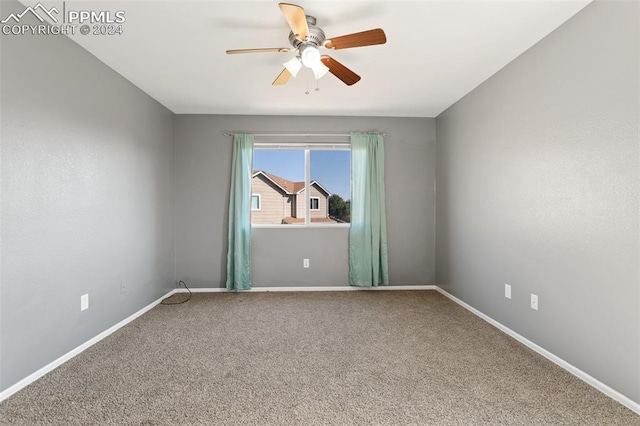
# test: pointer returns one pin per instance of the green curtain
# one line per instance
(239, 254)
(368, 259)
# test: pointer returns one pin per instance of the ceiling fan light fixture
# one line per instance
(310, 56)
(306, 38)
(293, 65)
(319, 70)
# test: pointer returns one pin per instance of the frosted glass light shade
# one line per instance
(293, 65)
(310, 56)
(319, 70)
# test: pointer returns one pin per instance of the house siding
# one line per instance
(300, 206)
(323, 212)
(273, 202)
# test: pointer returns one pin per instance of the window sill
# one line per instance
(312, 225)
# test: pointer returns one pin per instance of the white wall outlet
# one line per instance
(305, 263)
(84, 302)
(534, 301)
(507, 291)
(123, 286)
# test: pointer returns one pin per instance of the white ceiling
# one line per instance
(437, 51)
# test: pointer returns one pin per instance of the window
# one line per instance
(314, 203)
(255, 202)
(301, 184)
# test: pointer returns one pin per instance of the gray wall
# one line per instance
(87, 199)
(203, 161)
(538, 172)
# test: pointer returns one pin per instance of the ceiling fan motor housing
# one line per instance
(316, 35)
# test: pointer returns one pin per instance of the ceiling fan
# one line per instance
(306, 38)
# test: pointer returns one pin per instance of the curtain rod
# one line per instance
(308, 134)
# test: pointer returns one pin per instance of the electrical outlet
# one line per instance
(123, 286)
(534, 301)
(84, 302)
(305, 263)
(507, 291)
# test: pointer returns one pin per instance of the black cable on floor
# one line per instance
(164, 301)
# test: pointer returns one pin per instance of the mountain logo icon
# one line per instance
(34, 11)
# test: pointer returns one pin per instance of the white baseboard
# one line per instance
(612, 393)
(292, 289)
(66, 357)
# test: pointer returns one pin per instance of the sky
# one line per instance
(331, 169)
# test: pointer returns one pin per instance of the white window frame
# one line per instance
(314, 198)
(259, 202)
(307, 148)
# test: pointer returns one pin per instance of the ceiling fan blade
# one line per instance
(282, 78)
(347, 76)
(364, 38)
(265, 50)
(296, 19)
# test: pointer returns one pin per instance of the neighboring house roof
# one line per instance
(282, 183)
(288, 186)
(297, 187)
(313, 182)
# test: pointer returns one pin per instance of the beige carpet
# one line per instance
(335, 358)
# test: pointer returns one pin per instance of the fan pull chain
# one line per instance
(307, 91)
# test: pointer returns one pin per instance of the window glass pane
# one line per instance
(280, 196)
(331, 175)
(278, 176)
